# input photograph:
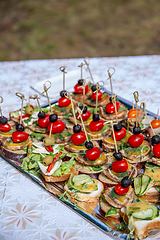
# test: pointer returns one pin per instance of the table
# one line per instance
(27, 211)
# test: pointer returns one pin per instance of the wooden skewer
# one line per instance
(136, 95)
(114, 136)
(80, 114)
(110, 76)
(35, 96)
(114, 103)
(62, 69)
(20, 95)
(69, 95)
(81, 65)
(45, 91)
(89, 70)
(50, 130)
(0, 107)
(84, 86)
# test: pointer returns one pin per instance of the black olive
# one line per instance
(94, 88)
(84, 108)
(80, 81)
(77, 128)
(110, 99)
(117, 127)
(20, 127)
(53, 117)
(95, 117)
(136, 130)
(89, 145)
(62, 93)
(155, 139)
(41, 115)
(118, 156)
(126, 182)
(3, 120)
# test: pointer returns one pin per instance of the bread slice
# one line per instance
(142, 228)
(16, 156)
(121, 115)
(59, 178)
(106, 206)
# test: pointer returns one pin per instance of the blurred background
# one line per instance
(38, 29)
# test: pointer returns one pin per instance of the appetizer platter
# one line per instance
(94, 151)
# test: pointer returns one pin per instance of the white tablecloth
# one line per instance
(27, 211)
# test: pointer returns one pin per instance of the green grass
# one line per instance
(36, 29)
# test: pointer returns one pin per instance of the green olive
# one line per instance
(47, 160)
(48, 141)
(29, 110)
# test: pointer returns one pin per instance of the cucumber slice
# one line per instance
(81, 179)
(137, 185)
(145, 182)
(155, 211)
(145, 214)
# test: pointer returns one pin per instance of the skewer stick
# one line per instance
(80, 114)
(81, 65)
(20, 95)
(87, 63)
(45, 91)
(110, 76)
(50, 130)
(84, 86)
(35, 96)
(0, 107)
(70, 97)
(114, 136)
(62, 69)
(114, 103)
(157, 113)
(136, 95)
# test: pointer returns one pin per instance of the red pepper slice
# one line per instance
(50, 166)
(24, 116)
(49, 148)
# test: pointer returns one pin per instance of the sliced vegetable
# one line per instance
(53, 162)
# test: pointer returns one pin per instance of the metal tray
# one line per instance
(90, 212)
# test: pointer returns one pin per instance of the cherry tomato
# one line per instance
(93, 153)
(119, 135)
(96, 126)
(110, 108)
(19, 137)
(100, 96)
(132, 113)
(155, 123)
(120, 166)
(64, 102)
(78, 138)
(43, 122)
(85, 116)
(120, 190)
(156, 150)
(79, 88)
(135, 140)
(57, 126)
(5, 128)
